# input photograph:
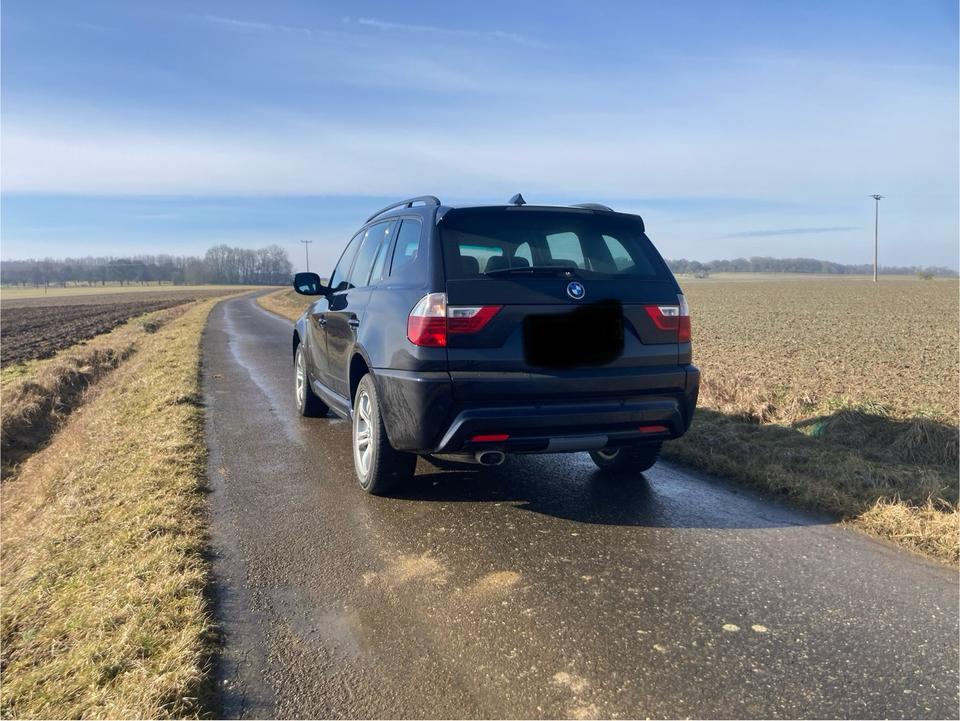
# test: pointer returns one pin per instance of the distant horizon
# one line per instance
(853, 269)
(735, 130)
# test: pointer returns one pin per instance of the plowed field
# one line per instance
(31, 330)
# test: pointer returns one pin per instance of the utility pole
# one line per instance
(306, 247)
(876, 233)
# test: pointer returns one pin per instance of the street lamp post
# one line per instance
(876, 233)
(306, 248)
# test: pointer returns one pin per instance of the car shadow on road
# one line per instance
(565, 487)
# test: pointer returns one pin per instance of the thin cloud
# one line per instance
(437, 30)
(501, 35)
(293, 154)
(251, 25)
(791, 231)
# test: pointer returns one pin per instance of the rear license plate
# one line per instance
(591, 335)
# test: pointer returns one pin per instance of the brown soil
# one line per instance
(33, 331)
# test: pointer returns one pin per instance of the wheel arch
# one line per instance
(299, 334)
(359, 367)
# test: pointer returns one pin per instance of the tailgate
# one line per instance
(568, 298)
(559, 346)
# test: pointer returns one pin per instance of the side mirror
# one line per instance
(309, 284)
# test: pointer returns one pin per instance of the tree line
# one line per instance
(221, 264)
(796, 265)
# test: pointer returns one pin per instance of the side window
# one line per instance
(565, 247)
(381, 258)
(373, 240)
(408, 261)
(338, 279)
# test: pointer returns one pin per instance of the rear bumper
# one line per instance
(555, 427)
(429, 413)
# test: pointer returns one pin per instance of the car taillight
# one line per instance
(469, 319)
(672, 317)
(432, 319)
(427, 322)
(683, 329)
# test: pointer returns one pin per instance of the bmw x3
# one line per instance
(471, 333)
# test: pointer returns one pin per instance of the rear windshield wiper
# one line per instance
(532, 270)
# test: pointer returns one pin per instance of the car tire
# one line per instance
(378, 465)
(308, 404)
(628, 458)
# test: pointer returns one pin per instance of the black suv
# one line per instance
(469, 333)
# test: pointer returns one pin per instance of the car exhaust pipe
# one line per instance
(490, 458)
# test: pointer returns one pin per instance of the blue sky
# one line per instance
(734, 128)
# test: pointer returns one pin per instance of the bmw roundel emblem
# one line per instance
(576, 290)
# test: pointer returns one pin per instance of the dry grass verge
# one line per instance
(103, 612)
(930, 528)
(38, 396)
(285, 302)
(909, 502)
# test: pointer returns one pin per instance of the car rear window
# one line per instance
(477, 241)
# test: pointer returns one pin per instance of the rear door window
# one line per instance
(381, 258)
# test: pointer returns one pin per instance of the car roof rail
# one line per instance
(593, 206)
(408, 203)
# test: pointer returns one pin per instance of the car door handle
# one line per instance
(353, 323)
(320, 320)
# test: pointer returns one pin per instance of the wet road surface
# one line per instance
(540, 588)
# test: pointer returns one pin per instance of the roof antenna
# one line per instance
(517, 200)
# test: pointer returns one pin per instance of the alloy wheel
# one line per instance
(362, 432)
(301, 377)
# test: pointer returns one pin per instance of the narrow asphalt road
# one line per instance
(538, 589)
